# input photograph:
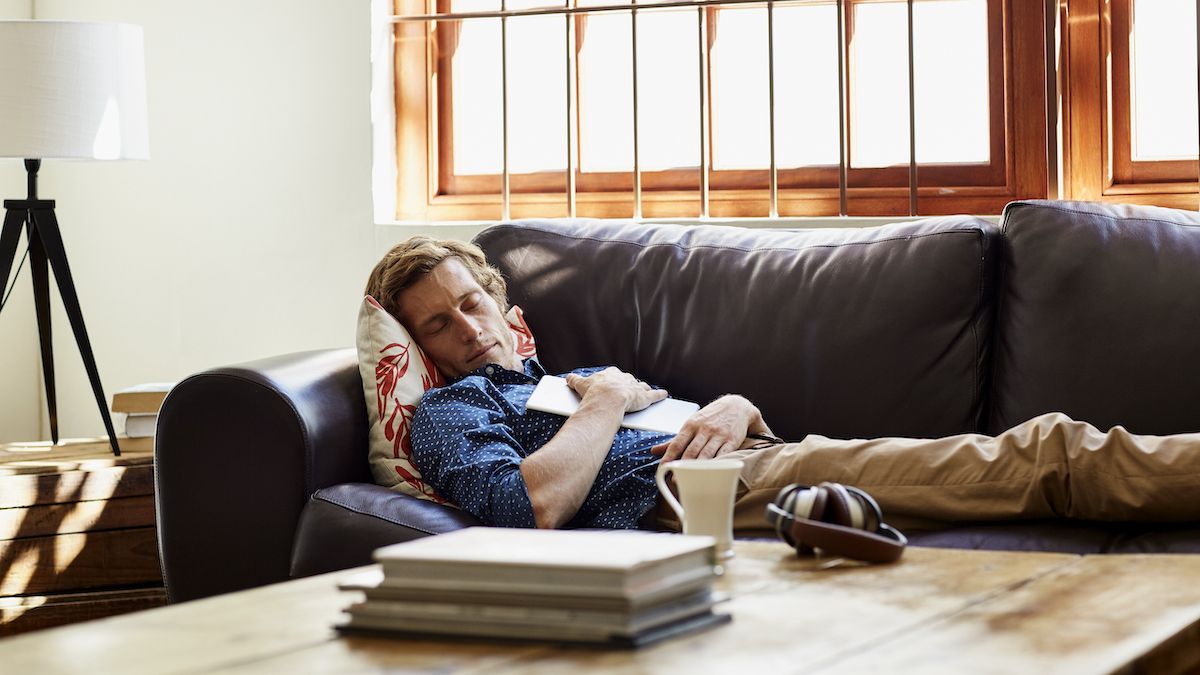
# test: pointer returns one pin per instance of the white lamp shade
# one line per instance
(72, 90)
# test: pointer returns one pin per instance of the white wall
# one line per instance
(19, 371)
(249, 231)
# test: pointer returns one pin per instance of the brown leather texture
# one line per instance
(843, 332)
(238, 452)
(1065, 536)
(343, 524)
(1099, 317)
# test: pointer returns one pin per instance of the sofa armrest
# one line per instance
(237, 454)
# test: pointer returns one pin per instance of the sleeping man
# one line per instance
(477, 445)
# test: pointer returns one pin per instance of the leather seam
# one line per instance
(972, 230)
(977, 392)
(363, 512)
(1016, 205)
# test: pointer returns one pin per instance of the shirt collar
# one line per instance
(532, 371)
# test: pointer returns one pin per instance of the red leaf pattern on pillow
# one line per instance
(388, 372)
(432, 377)
(423, 487)
(402, 443)
(524, 336)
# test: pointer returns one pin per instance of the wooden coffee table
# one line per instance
(936, 610)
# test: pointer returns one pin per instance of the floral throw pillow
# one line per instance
(395, 374)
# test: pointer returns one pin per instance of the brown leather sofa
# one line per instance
(924, 329)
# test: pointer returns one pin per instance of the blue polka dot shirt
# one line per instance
(470, 437)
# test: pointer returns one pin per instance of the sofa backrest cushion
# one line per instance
(843, 332)
(1099, 316)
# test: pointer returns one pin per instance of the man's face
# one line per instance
(456, 322)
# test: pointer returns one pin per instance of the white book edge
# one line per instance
(651, 588)
(552, 395)
(140, 425)
(501, 547)
(543, 617)
(147, 387)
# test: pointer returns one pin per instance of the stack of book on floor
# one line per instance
(626, 588)
(140, 405)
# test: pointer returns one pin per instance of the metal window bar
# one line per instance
(842, 107)
(637, 167)
(590, 9)
(702, 51)
(505, 186)
(773, 210)
(571, 187)
(912, 119)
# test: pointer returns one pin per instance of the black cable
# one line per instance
(772, 440)
(14, 279)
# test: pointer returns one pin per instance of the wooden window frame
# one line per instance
(1097, 114)
(428, 190)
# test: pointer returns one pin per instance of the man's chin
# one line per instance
(495, 355)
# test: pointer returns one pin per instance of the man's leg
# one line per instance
(1050, 466)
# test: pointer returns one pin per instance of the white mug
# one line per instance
(707, 488)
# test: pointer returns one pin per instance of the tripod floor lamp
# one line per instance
(68, 90)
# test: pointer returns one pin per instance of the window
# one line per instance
(1130, 101)
(841, 141)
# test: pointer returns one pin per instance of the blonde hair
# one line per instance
(408, 262)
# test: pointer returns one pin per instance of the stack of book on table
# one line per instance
(140, 404)
(626, 588)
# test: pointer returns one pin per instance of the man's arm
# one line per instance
(559, 475)
(715, 429)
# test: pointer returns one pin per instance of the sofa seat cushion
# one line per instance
(1065, 536)
(342, 525)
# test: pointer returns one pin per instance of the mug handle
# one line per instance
(660, 477)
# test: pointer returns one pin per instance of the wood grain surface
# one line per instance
(77, 537)
(936, 610)
(70, 562)
(76, 517)
(38, 612)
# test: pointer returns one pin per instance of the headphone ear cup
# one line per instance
(844, 509)
(793, 501)
(872, 514)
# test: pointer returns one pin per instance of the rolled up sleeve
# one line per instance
(463, 448)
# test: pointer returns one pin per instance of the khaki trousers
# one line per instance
(1048, 467)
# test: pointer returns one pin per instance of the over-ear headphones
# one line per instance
(837, 519)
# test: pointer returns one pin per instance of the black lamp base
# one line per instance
(46, 252)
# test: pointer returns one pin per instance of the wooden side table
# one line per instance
(77, 538)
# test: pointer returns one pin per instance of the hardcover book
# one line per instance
(563, 562)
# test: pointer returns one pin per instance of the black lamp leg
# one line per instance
(41, 303)
(14, 220)
(46, 226)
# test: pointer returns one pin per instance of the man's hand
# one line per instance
(559, 475)
(624, 388)
(715, 429)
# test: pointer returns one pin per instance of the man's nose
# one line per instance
(468, 329)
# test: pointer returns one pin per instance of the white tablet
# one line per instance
(552, 395)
